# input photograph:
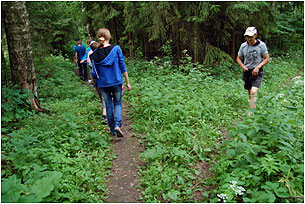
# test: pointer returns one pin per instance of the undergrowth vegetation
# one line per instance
(265, 153)
(183, 114)
(61, 157)
(199, 144)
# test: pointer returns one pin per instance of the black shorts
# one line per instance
(250, 80)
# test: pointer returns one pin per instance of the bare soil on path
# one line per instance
(123, 184)
(124, 180)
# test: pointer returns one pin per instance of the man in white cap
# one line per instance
(255, 55)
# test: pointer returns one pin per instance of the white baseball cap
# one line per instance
(250, 31)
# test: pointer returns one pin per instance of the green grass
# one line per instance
(183, 114)
(62, 157)
(265, 154)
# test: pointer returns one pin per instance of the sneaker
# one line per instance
(119, 132)
(104, 119)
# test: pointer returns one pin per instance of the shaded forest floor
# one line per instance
(124, 181)
(171, 150)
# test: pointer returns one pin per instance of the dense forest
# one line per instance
(209, 31)
(187, 103)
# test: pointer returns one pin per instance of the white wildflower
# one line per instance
(296, 78)
(233, 182)
(223, 197)
(280, 95)
(239, 190)
(298, 82)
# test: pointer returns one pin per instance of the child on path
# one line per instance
(80, 51)
(86, 56)
(108, 66)
(76, 43)
(255, 55)
(94, 45)
(74, 46)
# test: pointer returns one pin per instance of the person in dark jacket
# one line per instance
(108, 67)
(80, 51)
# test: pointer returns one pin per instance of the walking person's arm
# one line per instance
(265, 61)
(84, 57)
(240, 63)
(123, 68)
(83, 60)
(125, 74)
(75, 57)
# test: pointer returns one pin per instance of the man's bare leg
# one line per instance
(253, 97)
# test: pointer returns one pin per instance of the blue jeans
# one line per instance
(113, 99)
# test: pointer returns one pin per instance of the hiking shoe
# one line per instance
(104, 120)
(119, 132)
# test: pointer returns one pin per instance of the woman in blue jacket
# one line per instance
(108, 66)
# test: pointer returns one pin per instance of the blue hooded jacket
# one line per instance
(109, 71)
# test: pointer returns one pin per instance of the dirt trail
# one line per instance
(123, 184)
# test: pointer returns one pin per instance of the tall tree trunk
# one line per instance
(196, 43)
(4, 67)
(16, 23)
(116, 32)
(90, 30)
(144, 47)
(131, 46)
(233, 45)
(177, 43)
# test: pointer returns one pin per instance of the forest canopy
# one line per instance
(148, 29)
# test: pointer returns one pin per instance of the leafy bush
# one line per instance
(266, 152)
(184, 114)
(62, 157)
(15, 105)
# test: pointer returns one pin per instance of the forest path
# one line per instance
(123, 184)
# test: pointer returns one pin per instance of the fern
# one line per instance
(215, 56)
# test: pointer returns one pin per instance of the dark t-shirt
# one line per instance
(81, 51)
(101, 53)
